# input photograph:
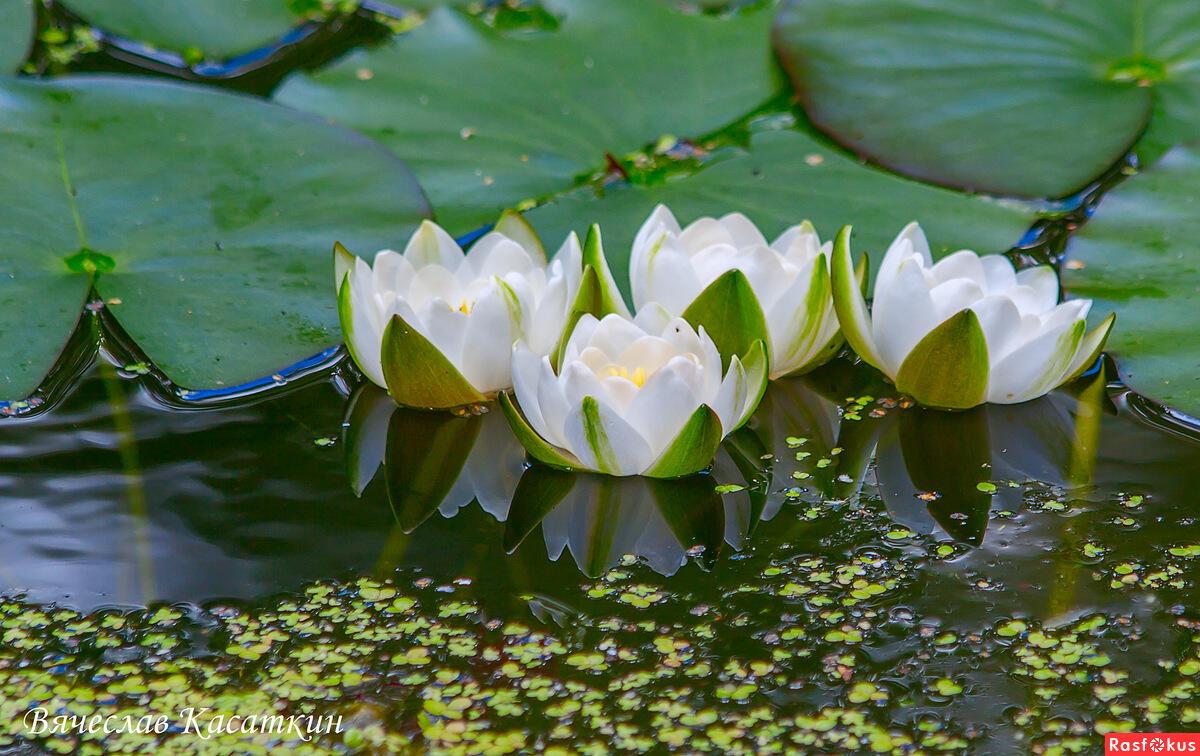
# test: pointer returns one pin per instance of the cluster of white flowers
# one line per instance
(718, 312)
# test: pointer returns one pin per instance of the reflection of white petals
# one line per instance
(471, 308)
(671, 266)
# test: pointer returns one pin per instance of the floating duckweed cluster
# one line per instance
(843, 626)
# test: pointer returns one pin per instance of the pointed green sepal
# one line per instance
(536, 446)
(343, 263)
(730, 314)
(418, 375)
(513, 225)
(346, 318)
(589, 300)
(419, 476)
(693, 449)
(948, 369)
(755, 366)
(1090, 349)
(593, 255)
(850, 302)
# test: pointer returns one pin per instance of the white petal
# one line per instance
(431, 245)
(660, 218)
(664, 404)
(616, 448)
(496, 255)
(487, 344)
(653, 318)
(705, 232)
(391, 271)
(648, 353)
(1044, 282)
(743, 231)
(910, 241)
(1001, 324)
(434, 282)
(731, 397)
(961, 264)
(1032, 369)
(526, 370)
(999, 273)
(799, 245)
(954, 296)
(552, 403)
(903, 314)
(614, 334)
(669, 278)
(581, 336)
(445, 328)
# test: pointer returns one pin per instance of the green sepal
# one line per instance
(849, 300)
(1092, 346)
(731, 315)
(536, 446)
(418, 375)
(755, 366)
(693, 449)
(513, 225)
(346, 318)
(589, 300)
(593, 255)
(343, 262)
(948, 369)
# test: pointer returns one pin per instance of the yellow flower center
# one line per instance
(637, 377)
(465, 307)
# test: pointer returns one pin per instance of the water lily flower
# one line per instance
(632, 397)
(436, 326)
(966, 330)
(781, 290)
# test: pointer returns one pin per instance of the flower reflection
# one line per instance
(601, 519)
(431, 461)
(936, 469)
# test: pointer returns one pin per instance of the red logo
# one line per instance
(1153, 743)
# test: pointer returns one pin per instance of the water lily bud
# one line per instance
(787, 283)
(966, 330)
(436, 326)
(646, 396)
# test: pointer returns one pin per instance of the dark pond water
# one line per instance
(854, 573)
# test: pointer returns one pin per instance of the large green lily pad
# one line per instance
(1141, 258)
(16, 32)
(205, 219)
(1024, 97)
(216, 28)
(488, 119)
(785, 177)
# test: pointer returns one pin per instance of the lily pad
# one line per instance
(785, 177)
(215, 28)
(16, 32)
(1139, 257)
(203, 219)
(1026, 97)
(488, 119)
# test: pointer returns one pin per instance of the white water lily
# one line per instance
(788, 278)
(646, 396)
(436, 326)
(966, 330)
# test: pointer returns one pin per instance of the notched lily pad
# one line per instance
(203, 219)
(1026, 97)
